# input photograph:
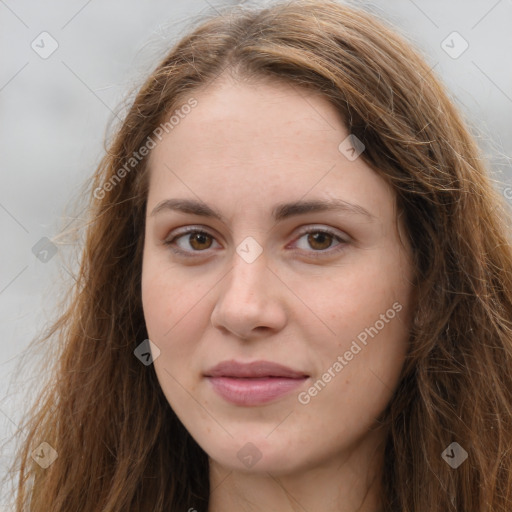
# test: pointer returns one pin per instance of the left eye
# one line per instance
(318, 240)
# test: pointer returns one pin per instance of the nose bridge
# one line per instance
(247, 278)
(249, 262)
(247, 300)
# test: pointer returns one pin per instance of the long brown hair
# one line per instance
(120, 446)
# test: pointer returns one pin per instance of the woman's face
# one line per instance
(269, 242)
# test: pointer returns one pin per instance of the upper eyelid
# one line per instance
(186, 230)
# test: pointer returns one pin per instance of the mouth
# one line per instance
(255, 383)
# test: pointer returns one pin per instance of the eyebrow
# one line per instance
(280, 212)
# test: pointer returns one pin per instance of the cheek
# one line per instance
(357, 378)
(174, 312)
(156, 301)
(162, 305)
(171, 311)
(367, 309)
(354, 297)
(164, 292)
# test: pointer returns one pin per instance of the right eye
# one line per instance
(190, 241)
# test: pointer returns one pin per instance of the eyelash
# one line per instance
(313, 253)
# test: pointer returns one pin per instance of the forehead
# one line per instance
(232, 116)
(261, 141)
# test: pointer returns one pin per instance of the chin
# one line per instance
(256, 454)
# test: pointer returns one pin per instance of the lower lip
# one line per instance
(253, 391)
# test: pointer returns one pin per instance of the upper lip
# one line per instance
(254, 369)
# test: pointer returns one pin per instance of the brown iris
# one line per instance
(197, 241)
(320, 240)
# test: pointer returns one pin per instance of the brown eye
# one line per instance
(191, 241)
(320, 240)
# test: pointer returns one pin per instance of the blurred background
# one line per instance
(66, 68)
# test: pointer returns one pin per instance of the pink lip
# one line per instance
(253, 383)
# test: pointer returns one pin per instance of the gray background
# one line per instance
(55, 112)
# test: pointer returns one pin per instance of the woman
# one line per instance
(295, 291)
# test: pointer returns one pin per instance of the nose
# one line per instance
(250, 303)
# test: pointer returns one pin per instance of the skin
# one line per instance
(244, 149)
